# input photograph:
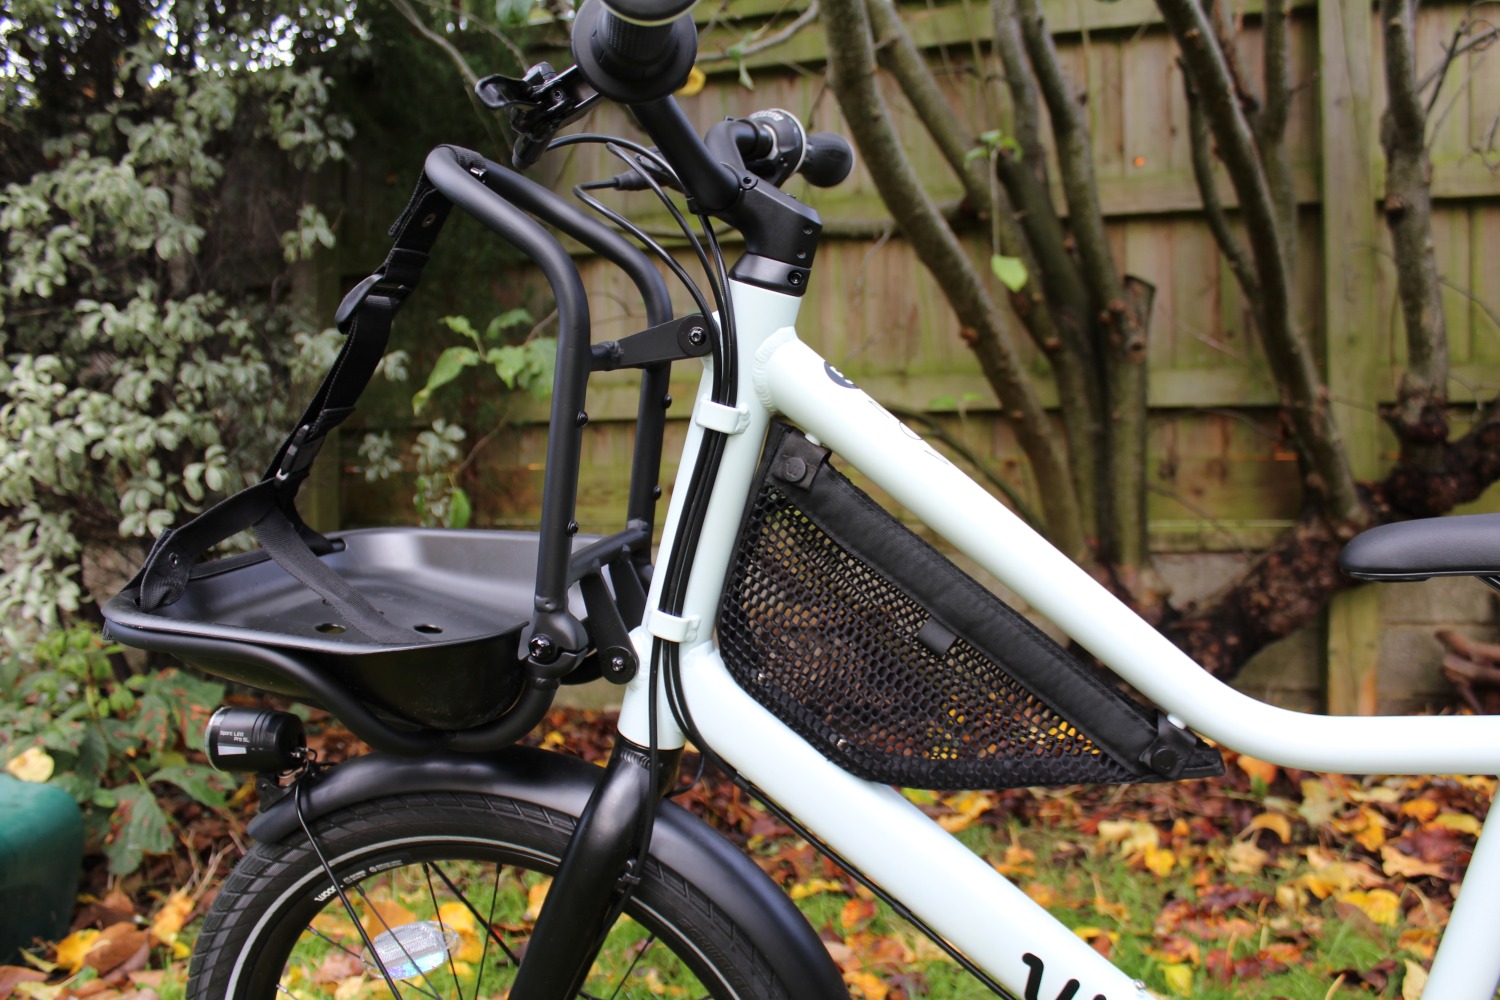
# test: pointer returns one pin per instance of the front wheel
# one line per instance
(446, 886)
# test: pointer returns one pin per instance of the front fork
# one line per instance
(597, 872)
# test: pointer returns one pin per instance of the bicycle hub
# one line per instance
(255, 739)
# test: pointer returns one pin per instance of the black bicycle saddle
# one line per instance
(1466, 545)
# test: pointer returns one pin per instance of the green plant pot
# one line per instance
(41, 856)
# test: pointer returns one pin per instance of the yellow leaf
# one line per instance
(1458, 823)
(456, 916)
(1415, 981)
(73, 949)
(1421, 810)
(348, 989)
(173, 915)
(1380, 905)
(181, 949)
(35, 765)
(1276, 823)
(814, 887)
(694, 85)
(535, 896)
(1159, 861)
(1179, 977)
(1244, 858)
(967, 807)
(1089, 933)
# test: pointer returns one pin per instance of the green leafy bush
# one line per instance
(71, 722)
(152, 193)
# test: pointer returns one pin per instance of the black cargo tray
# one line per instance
(465, 595)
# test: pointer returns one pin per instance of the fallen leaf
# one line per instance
(814, 887)
(535, 897)
(33, 764)
(1458, 822)
(1258, 769)
(1380, 905)
(1398, 864)
(173, 914)
(1420, 810)
(12, 975)
(1179, 978)
(72, 949)
(1414, 982)
(115, 947)
(1276, 823)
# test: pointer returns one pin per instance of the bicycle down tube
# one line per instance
(872, 826)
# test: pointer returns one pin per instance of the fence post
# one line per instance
(1350, 237)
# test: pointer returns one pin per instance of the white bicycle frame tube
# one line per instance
(873, 827)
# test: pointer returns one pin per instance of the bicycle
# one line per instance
(819, 651)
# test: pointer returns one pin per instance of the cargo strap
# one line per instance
(269, 506)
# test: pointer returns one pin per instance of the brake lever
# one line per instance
(538, 105)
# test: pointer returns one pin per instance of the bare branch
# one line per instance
(1121, 313)
(851, 63)
(748, 47)
(1418, 417)
(1230, 246)
(1271, 125)
(456, 57)
(1315, 431)
(1026, 111)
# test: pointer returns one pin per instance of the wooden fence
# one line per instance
(1223, 480)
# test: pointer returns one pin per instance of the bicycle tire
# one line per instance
(272, 898)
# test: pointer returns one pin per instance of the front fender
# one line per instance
(688, 845)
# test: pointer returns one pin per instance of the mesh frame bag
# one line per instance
(898, 667)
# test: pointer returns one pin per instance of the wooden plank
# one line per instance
(1484, 252)
(1450, 240)
(1349, 238)
(1354, 652)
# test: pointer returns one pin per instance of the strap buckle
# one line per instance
(343, 317)
(300, 452)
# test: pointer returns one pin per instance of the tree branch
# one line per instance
(1078, 397)
(1270, 130)
(1238, 258)
(1418, 417)
(1315, 431)
(740, 51)
(851, 62)
(1026, 112)
(470, 78)
(1122, 325)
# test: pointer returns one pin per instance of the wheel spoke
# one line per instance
(438, 915)
(488, 923)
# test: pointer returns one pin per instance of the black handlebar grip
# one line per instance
(829, 159)
(650, 11)
(635, 51)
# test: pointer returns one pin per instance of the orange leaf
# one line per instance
(856, 913)
(1258, 769)
(173, 915)
(1420, 810)
(1276, 823)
